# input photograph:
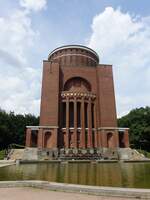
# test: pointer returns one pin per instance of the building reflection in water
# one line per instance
(100, 174)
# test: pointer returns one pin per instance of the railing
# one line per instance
(15, 146)
(78, 94)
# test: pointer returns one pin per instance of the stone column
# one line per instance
(104, 138)
(116, 138)
(82, 124)
(28, 137)
(99, 138)
(43, 138)
(89, 141)
(55, 136)
(40, 138)
(75, 124)
(67, 124)
(126, 138)
(95, 127)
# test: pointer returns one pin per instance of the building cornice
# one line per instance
(113, 128)
(44, 127)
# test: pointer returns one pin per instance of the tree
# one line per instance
(138, 120)
(13, 126)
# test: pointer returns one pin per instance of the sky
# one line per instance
(118, 30)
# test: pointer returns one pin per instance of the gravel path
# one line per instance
(39, 194)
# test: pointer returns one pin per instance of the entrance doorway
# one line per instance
(121, 140)
(34, 134)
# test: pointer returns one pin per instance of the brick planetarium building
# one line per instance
(78, 111)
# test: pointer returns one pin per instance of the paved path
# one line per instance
(38, 194)
(64, 191)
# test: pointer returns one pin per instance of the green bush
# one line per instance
(138, 122)
(145, 153)
(2, 154)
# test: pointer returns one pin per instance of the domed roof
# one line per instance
(74, 47)
(74, 55)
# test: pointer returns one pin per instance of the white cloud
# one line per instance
(20, 93)
(35, 5)
(123, 40)
(20, 81)
(15, 36)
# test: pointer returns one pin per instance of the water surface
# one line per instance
(134, 175)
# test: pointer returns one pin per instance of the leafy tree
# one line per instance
(138, 120)
(13, 126)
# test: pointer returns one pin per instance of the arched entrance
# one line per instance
(34, 134)
(121, 140)
(47, 139)
(110, 140)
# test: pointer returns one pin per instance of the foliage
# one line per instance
(145, 153)
(12, 127)
(2, 154)
(138, 120)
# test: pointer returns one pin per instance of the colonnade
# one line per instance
(78, 128)
(41, 137)
(79, 121)
(74, 137)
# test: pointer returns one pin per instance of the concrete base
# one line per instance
(102, 153)
(79, 154)
(4, 163)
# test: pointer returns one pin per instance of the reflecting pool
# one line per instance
(135, 175)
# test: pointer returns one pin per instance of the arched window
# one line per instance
(77, 84)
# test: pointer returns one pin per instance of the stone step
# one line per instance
(130, 154)
(16, 154)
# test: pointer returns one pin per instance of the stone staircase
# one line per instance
(23, 154)
(130, 154)
(16, 154)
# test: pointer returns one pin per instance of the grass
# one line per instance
(2, 154)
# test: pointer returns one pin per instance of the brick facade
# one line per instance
(78, 108)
